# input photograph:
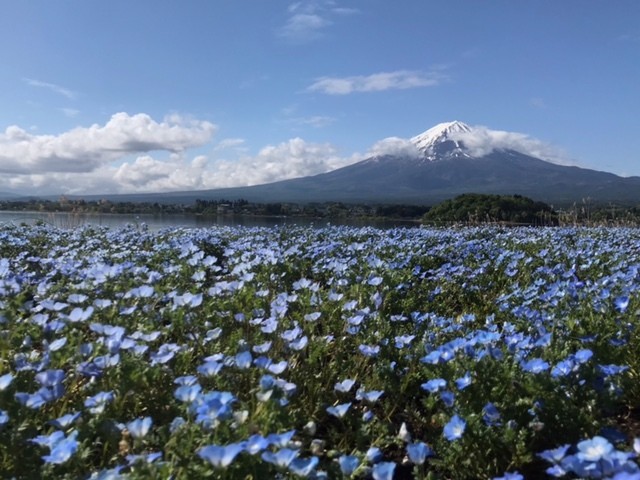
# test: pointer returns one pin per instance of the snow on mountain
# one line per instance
(440, 141)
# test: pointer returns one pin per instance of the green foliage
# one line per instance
(482, 208)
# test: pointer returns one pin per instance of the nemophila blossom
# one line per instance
(535, 365)
(281, 439)
(79, 314)
(433, 386)
(339, 411)
(371, 396)
(99, 402)
(282, 458)
(209, 369)
(4, 418)
(57, 344)
(447, 397)
(5, 381)
(345, 385)
(369, 350)
(594, 449)
(348, 464)
(490, 414)
(463, 382)
(303, 467)
(255, 444)
(139, 428)
(383, 471)
(621, 303)
(65, 421)
(454, 429)
(220, 456)
(373, 455)
(164, 354)
(418, 452)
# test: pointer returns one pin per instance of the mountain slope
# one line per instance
(442, 167)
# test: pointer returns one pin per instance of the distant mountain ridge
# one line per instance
(442, 167)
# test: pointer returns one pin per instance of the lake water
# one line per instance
(158, 222)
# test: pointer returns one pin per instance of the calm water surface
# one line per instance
(158, 222)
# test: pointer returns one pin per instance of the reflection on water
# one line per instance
(157, 222)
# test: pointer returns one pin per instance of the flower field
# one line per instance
(319, 353)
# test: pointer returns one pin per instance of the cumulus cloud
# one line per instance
(84, 149)
(377, 82)
(70, 94)
(394, 146)
(146, 173)
(482, 141)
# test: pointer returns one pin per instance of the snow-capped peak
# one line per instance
(432, 142)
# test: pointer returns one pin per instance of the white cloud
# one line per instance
(377, 82)
(394, 146)
(304, 26)
(85, 149)
(309, 19)
(70, 94)
(482, 141)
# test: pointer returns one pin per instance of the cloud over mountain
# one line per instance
(84, 149)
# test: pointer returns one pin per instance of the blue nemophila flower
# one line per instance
(65, 421)
(281, 439)
(277, 368)
(369, 350)
(447, 397)
(255, 443)
(554, 455)
(490, 414)
(299, 343)
(4, 418)
(373, 455)
(339, 411)
(434, 385)
(418, 452)
(282, 458)
(98, 402)
(609, 370)
(371, 396)
(583, 356)
(464, 382)
(303, 467)
(262, 348)
(61, 447)
(312, 317)
(345, 385)
(348, 464)
(563, 368)
(220, 456)
(139, 427)
(50, 378)
(454, 429)
(621, 303)
(5, 381)
(594, 449)
(57, 344)
(383, 471)
(79, 314)
(210, 369)
(165, 353)
(535, 365)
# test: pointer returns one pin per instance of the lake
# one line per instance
(158, 222)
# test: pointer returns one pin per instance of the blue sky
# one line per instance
(153, 95)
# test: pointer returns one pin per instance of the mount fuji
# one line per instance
(446, 160)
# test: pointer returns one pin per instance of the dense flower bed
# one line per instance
(319, 353)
